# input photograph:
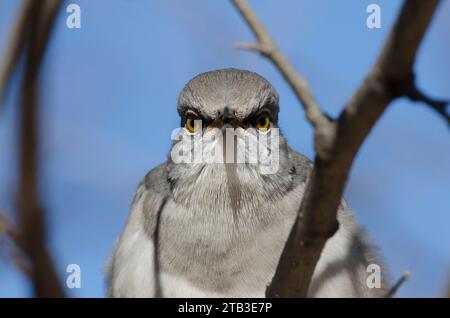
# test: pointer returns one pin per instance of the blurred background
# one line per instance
(108, 107)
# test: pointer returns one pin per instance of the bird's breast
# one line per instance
(216, 247)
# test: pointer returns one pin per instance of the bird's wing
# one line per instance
(131, 272)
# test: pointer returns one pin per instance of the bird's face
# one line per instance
(233, 114)
(229, 130)
(228, 93)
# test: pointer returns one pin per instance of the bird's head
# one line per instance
(229, 97)
(229, 130)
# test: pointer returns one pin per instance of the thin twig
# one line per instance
(19, 260)
(266, 46)
(15, 47)
(7, 228)
(397, 285)
(440, 106)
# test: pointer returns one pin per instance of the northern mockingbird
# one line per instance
(217, 229)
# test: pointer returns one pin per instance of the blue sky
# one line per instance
(108, 101)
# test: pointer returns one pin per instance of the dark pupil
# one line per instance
(262, 121)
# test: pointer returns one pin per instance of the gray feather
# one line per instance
(224, 225)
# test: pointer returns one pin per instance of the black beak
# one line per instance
(226, 111)
(227, 120)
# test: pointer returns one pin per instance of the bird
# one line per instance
(217, 229)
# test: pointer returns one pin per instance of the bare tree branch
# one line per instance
(35, 26)
(267, 48)
(19, 37)
(337, 142)
(16, 45)
(7, 228)
(17, 257)
(440, 106)
(391, 293)
(31, 215)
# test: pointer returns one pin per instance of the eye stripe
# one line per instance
(186, 111)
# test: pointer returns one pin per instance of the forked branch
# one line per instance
(337, 142)
(266, 46)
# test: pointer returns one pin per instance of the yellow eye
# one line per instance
(263, 122)
(193, 124)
